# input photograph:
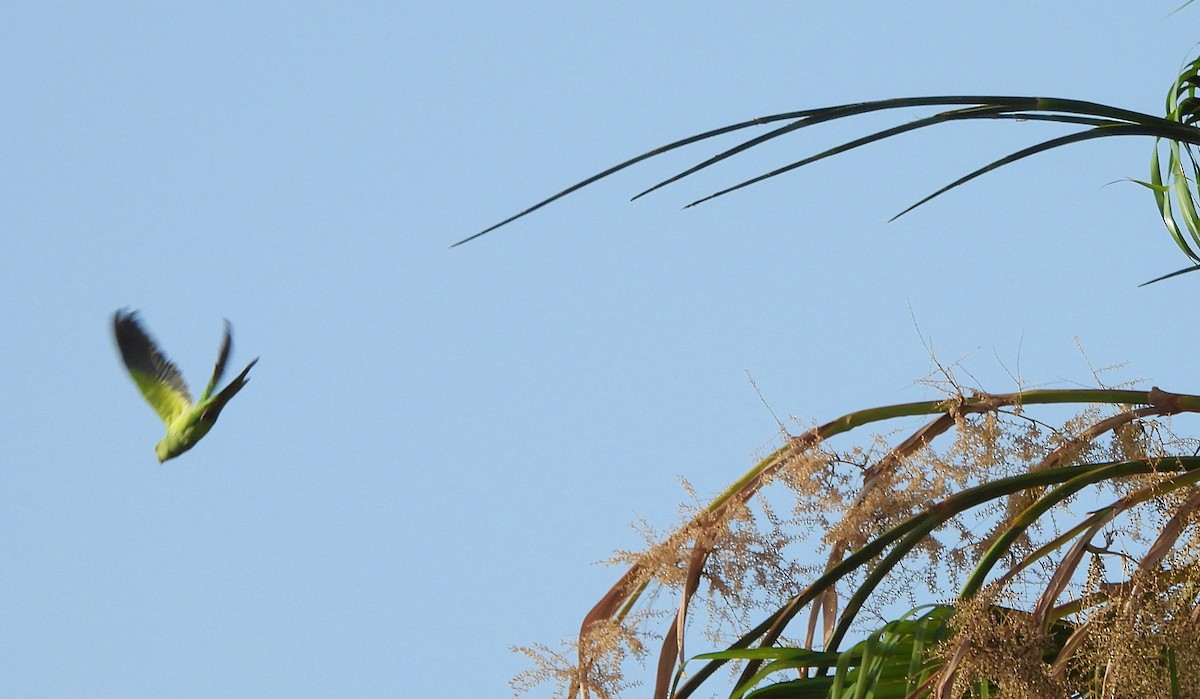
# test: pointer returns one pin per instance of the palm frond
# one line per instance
(1100, 121)
(1173, 182)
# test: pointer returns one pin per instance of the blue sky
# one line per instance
(438, 445)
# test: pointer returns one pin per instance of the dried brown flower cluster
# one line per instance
(1066, 541)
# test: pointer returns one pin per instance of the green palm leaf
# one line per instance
(1173, 183)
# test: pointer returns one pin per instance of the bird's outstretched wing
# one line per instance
(156, 377)
(219, 369)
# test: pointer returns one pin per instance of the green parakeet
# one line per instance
(164, 388)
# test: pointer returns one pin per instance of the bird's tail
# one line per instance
(234, 386)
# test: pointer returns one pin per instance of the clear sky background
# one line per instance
(438, 446)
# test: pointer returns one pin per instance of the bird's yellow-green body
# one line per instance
(182, 434)
(164, 388)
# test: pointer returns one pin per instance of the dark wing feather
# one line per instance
(158, 379)
(219, 369)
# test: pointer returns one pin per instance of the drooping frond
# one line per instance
(1098, 120)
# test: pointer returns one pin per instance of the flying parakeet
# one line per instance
(164, 388)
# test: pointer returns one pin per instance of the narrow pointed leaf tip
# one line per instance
(1097, 121)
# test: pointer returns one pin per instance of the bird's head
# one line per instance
(175, 444)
